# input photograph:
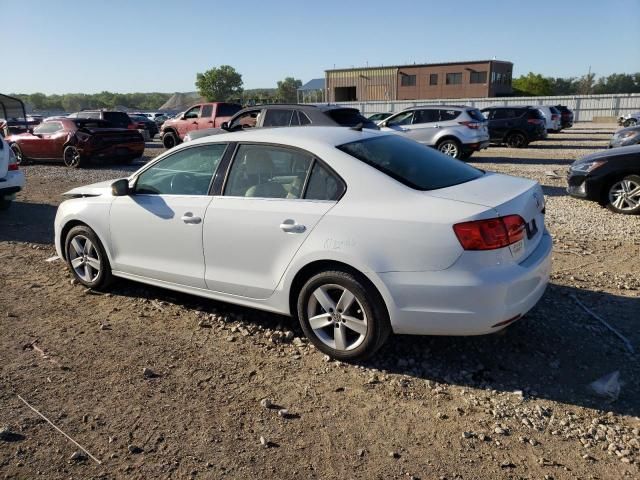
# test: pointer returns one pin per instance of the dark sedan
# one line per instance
(145, 123)
(610, 177)
(625, 137)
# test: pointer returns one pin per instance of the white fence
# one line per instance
(584, 107)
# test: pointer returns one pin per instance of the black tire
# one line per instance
(367, 304)
(622, 187)
(4, 204)
(92, 280)
(516, 140)
(17, 151)
(465, 155)
(71, 157)
(450, 147)
(630, 122)
(169, 140)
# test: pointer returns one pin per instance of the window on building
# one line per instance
(433, 79)
(454, 78)
(478, 77)
(407, 80)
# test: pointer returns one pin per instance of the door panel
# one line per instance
(247, 247)
(52, 146)
(158, 236)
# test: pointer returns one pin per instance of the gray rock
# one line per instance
(361, 452)
(78, 456)
(266, 403)
(134, 449)
(148, 373)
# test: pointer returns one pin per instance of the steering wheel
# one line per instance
(184, 183)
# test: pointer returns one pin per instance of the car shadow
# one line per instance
(521, 160)
(28, 223)
(543, 146)
(553, 353)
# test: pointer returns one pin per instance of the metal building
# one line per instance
(481, 78)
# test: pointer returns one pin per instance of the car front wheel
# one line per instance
(72, 157)
(343, 316)
(86, 258)
(624, 195)
(169, 140)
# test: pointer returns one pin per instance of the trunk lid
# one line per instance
(505, 195)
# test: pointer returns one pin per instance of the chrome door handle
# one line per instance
(290, 226)
(190, 219)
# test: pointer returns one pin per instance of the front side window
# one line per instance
(267, 171)
(192, 113)
(277, 118)
(186, 172)
(454, 78)
(47, 128)
(478, 77)
(404, 118)
(246, 120)
(408, 80)
(411, 163)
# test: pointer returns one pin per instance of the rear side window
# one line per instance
(323, 185)
(304, 120)
(117, 119)
(277, 118)
(207, 111)
(476, 114)
(348, 117)
(411, 163)
(446, 115)
(227, 109)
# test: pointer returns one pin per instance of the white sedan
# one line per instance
(356, 233)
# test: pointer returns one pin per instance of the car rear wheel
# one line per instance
(342, 315)
(631, 122)
(516, 140)
(86, 258)
(17, 151)
(624, 195)
(169, 140)
(450, 147)
(72, 157)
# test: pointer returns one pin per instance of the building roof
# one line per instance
(313, 84)
(440, 64)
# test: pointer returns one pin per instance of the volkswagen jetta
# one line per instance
(357, 233)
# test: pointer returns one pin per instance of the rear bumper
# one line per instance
(11, 184)
(475, 147)
(460, 301)
(124, 150)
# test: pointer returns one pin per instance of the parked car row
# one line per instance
(11, 178)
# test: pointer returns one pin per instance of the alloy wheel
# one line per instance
(71, 157)
(85, 258)
(516, 140)
(337, 317)
(625, 195)
(449, 148)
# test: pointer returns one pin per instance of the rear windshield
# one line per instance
(227, 109)
(417, 166)
(476, 115)
(349, 117)
(534, 114)
(91, 123)
(117, 119)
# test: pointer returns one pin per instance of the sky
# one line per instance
(88, 46)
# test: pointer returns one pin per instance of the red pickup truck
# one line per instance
(204, 115)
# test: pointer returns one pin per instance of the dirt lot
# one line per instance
(513, 405)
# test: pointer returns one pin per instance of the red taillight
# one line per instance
(13, 163)
(554, 117)
(13, 167)
(535, 121)
(472, 125)
(490, 234)
(132, 126)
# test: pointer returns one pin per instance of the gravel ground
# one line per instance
(156, 384)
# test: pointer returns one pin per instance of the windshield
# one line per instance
(411, 163)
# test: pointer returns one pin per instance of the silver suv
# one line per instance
(457, 131)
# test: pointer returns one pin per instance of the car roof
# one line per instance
(423, 107)
(301, 137)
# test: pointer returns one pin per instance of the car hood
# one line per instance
(93, 190)
(605, 154)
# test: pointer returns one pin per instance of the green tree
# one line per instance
(564, 86)
(586, 84)
(532, 84)
(288, 89)
(618, 83)
(219, 84)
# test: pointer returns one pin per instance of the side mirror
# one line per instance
(120, 188)
(225, 126)
(383, 124)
